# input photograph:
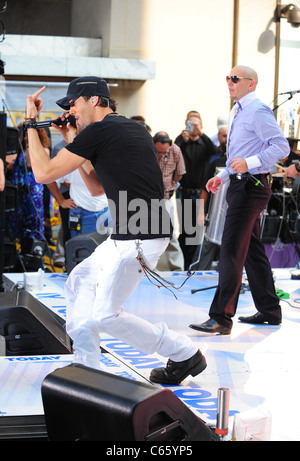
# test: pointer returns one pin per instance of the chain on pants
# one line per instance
(96, 291)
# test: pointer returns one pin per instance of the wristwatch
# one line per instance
(297, 166)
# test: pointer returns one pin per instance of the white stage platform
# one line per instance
(259, 364)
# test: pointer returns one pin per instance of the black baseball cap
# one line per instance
(84, 86)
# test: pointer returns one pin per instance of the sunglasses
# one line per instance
(235, 78)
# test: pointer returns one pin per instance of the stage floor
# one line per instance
(258, 364)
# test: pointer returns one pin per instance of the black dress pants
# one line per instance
(242, 247)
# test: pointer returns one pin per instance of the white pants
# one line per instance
(96, 290)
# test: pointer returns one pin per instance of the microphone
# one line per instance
(58, 121)
(290, 92)
(255, 181)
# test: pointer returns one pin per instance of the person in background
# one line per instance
(28, 220)
(293, 171)
(172, 166)
(197, 149)
(292, 164)
(222, 141)
(140, 119)
(87, 213)
(221, 121)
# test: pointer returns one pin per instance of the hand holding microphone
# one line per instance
(58, 121)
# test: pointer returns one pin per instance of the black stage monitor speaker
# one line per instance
(271, 229)
(80, 247)
(29, 327)
(84, 404)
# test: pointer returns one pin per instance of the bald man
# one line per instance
(255, 143)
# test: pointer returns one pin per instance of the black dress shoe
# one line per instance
(175, 372)
(211, 326)
(258, 319)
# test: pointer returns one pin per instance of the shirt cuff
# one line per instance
(253, 162)
(223, 175)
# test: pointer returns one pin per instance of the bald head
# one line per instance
(246, 84)
(245, 71)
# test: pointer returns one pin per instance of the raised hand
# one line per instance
(34, 104)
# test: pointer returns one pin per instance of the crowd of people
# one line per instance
(116, 158)
(183, 163)
(186, 165)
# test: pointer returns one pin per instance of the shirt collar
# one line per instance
(245, 100)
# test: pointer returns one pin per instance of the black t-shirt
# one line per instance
(125, 160)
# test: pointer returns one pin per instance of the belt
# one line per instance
(191, 191)
(248, 175)
(254, 178)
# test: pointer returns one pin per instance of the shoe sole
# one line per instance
(196, 370)
(221, 331)
(265, 322)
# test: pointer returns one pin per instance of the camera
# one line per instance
(189, 126)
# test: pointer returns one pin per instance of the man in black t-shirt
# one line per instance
(124, 160)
